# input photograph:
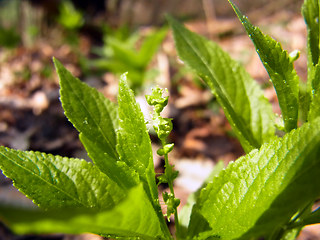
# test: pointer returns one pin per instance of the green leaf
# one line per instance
(59, 182)
(314, 110)
(311, 13)
(280, 69)
(132, 218)
(304, 101)
(134, 145)
(242, 100)
(313, 218)
(150, 46)
(262, 191)
(185, 213)
(69, 16)
(95, 117)
(123, 53)
(291, 235)
(127, 54)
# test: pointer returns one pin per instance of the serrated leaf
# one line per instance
(241, 98)
(134, 145)
(132, 218)
(280, 69)
(262, 191)
(95, 117)
(59, 182)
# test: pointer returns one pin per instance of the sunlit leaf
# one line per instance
(261, 192)
(280, 69)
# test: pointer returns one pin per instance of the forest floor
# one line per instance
(31, 117)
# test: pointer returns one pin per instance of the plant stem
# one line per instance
(170, 183)
(163, 127)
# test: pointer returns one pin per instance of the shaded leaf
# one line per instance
(304, 101)
(313, 218)
(242, 100)
(132, 218)
(314, 110)
(311, 13)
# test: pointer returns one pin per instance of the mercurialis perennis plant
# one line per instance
(266, 194)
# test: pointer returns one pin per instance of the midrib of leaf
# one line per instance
(72, 182)
(115, 154)
(95, 118)
(134, 145)
(206, 64)
(38, 176)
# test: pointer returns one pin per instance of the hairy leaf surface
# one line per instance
(133, 218)
(59, 182)
(95, 117)
(280, 69)
(241, 98)
(263, 190)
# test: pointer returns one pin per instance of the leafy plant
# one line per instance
(260, 195)
(267, 193)
(69, 17)
(9, 38)
(115, 196)
(129, 53)
(9, 26)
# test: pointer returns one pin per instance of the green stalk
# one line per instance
(170, 184)
(163, 127)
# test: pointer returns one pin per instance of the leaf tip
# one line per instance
(56, 62)
(124, 76)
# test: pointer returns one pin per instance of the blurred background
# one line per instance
(99, 40)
